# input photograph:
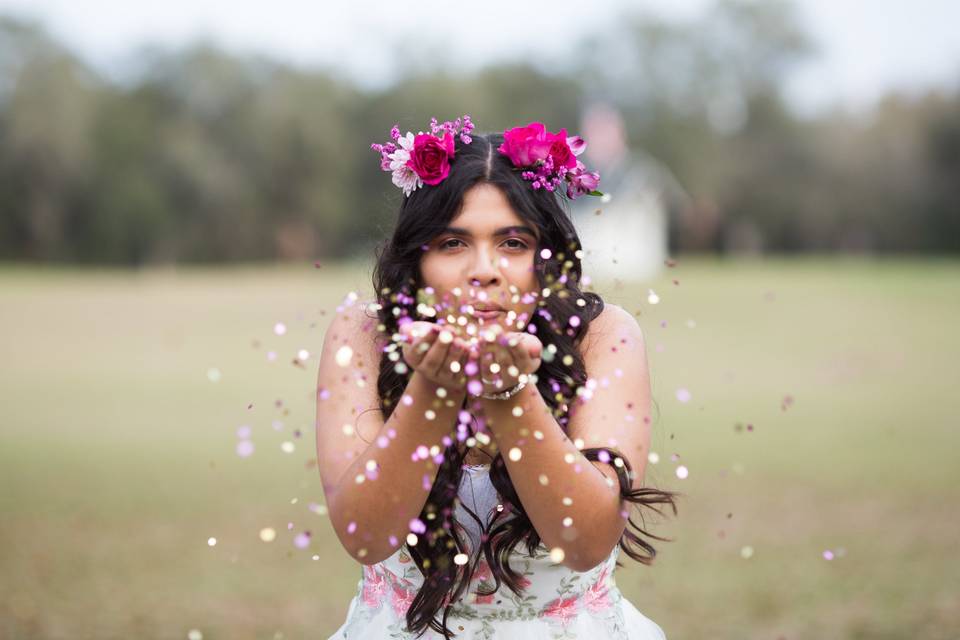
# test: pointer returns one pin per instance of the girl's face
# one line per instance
(484, 259)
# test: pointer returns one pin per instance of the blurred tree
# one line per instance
(202, 155)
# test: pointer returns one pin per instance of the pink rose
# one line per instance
(430, 157)
(526, 145)
(563, 157)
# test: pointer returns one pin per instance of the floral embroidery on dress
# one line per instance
(597, 597)
(374, 588)
(568, 604)
(562, 609)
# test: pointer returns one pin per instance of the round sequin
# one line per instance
(344, 355)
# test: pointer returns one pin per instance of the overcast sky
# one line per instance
(895, 43)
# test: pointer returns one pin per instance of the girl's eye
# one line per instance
(520, 244)
(446, 243)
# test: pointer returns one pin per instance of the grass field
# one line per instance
(118, 462)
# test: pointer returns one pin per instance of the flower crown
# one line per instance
(547, 159)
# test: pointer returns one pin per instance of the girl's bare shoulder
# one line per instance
(612, 320)
(360, 319)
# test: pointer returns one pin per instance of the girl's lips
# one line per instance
(487, 315)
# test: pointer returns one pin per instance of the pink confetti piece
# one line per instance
(683, 395)
(244, 448)
(417, 526)
(302, 541)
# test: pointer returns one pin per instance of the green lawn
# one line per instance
(117, 451)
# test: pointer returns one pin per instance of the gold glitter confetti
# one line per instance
(544, 480)
(557, 555)
(212, 542)
(567, 521)
(567, 501)
(412, 539)
(653, 457)
(569, 458)
(344, 356)
(460, 559)
(268, 534)
(515, 454)
(517, 412)
(746, 552)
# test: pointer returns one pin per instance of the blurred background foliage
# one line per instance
(202, 155)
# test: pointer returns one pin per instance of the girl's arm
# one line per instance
(366, 514)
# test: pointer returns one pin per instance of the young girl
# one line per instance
(483, 427)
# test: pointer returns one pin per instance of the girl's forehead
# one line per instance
(483, 219)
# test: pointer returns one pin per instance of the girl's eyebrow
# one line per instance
(503, 231)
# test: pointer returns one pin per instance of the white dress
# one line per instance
(557, 602)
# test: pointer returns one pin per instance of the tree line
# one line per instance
(203, 155)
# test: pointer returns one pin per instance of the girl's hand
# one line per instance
(436, 353)
(506, 358)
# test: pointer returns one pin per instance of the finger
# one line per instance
(471, 370)
(437, 355)
(495, 362)
(456, 359)
(526, 354)
(414, 353)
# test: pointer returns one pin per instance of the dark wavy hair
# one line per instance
(397, 280)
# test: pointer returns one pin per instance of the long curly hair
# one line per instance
(397, 282)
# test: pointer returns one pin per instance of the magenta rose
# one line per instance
(563, 157)
(430, 157)
(526, 145)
